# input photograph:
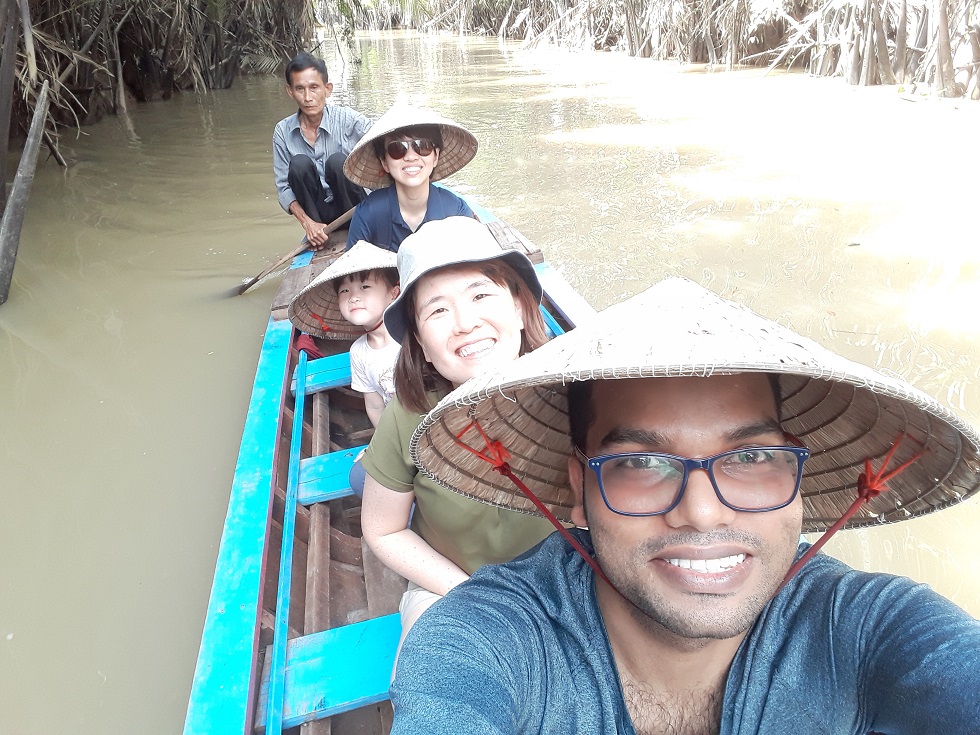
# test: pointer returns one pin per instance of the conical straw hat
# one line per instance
(458, 146)
(314, 309)
(843, 411)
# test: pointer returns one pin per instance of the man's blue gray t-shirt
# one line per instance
(521, 648)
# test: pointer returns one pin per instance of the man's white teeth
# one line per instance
(711, 566)
(468, 350)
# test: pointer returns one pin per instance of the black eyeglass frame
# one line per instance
(705, 463)
(401, 148)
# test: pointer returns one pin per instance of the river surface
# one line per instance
(847, 214)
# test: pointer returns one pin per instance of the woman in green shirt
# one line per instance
(465, 307)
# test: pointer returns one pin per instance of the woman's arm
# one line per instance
(384, 521)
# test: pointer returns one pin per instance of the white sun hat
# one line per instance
(843, 411)
(459, 146)
(314, 309)
(442, 243)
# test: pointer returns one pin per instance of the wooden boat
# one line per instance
(302, 622)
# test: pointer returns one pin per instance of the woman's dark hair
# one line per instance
(432, 132)
(415, 378)
(388, 275)
(303, 61)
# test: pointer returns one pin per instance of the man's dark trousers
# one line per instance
(305, 183)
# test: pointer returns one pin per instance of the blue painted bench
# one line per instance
(334, 671)
(324, 477)
(332, 371)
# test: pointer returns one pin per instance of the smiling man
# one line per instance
(696, 450)
(309, 149)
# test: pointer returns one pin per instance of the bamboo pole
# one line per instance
(13, 215)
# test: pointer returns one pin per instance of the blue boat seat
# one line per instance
(323, 373)
(325, 477)
(335, 671)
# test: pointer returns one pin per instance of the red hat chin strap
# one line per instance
(870, 485)
(327, 328)
(497, 455)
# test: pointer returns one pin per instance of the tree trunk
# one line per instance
(8, 21)
(944, 60)
(973, 92)
(921, 39)
(854, 72)
(881, 46)
(901, 39)
(867, 41)
(13, 216)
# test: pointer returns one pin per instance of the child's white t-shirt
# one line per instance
(373, 371)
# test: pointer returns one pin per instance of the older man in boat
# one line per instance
(696, 449)
(309, 149)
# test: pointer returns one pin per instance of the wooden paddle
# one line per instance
(327, 229)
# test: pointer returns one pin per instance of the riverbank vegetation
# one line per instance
(98, 53)
(927, 44)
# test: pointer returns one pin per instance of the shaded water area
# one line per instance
(124, 375)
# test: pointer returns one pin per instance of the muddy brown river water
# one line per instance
(847, 214)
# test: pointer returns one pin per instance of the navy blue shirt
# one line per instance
(521, 648)
(379, 220)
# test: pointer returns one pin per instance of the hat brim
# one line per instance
(844, 412)
(459, 146)
(315, 309)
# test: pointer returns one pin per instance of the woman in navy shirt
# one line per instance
(411, 148)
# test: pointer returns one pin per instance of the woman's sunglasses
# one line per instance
(397, 150)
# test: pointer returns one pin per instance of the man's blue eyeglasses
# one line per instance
(753, 480)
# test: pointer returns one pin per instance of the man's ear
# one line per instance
(329, 87)
(576, 480)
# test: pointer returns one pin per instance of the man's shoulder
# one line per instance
(535, 584)
(342, 114)
(288, 123)
(844, 603)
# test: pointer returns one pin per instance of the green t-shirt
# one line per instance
(465, 531)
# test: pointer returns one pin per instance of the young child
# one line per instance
(348, 300)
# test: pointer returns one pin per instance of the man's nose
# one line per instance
(699, 507)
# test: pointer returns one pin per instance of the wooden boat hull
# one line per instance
(343, 626)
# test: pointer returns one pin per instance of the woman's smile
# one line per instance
(467, 323)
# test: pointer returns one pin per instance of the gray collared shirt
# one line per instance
(340, 129)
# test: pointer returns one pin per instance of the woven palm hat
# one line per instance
(442, 243)
(458, 146)
(315, 310)
(843, 411)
